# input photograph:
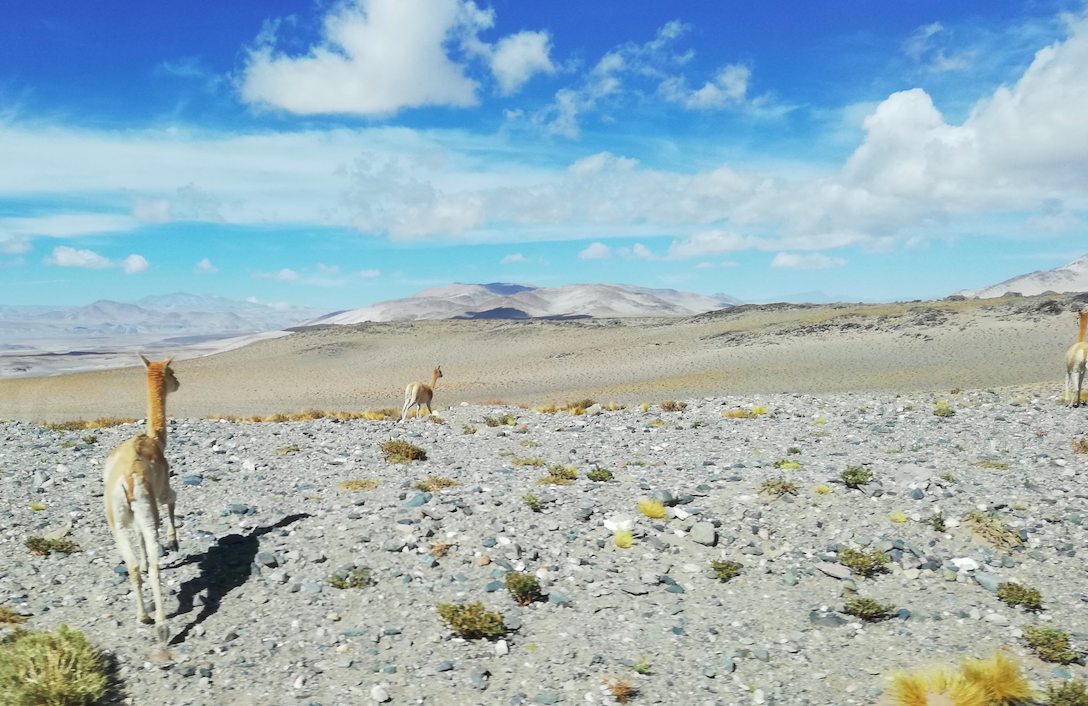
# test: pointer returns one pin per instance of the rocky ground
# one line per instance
(255, 620)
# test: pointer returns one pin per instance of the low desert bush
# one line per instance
(468, 429)
(936, 521)
(532, 502)
(856, 476)
(51, 669)
(941, 409)
(822, 489)
(9, 616)
(725, 570)
(530, 444)
(527, 461)
(621, 689)
(869, 610)
(600, 475)
(471, 620)
(898, 517)
(671, 406)
(559, 475)
(867, 563)
(44, 547)
(777, 487)
(1069, 693)
(1021, 595)
(288, 450)
(787, 465)
(524, 588)
(356, 578)
(995, 681)
(397, 451)
(1080, 446)
(997, 465)
(623, 538)
(1051, 644)
(80, 424)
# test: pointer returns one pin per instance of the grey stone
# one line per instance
(556, 597)
(479, 676)
(634, 589)
(827, 620)
(704, 533)
(835, 570)
(987, 581)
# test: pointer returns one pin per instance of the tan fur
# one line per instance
(1076, 360)
(419, 395)
(137, 479)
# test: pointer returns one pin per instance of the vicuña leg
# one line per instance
(171, 529)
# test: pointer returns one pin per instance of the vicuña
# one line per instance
(137, 482)
(419, 395)
(1076, 357)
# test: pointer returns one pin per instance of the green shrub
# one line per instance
(1050, 644)
(997, 465)
(51, 669)
(287, 450)
(356, 578)
(777, 487)
(527, 461)
(43, 547)
(936, 521)
(993, 529)
(856, 476)
(471, 620)
(468, 429)
(433, 484)
(787, 465)
(559, 475)
(864, 563)
(941, 409)
(523, 587)
(793, 450)
(725, 570)
(1019, 594)
(600, 475)
(397, 451)
(642, 666)
(867, 609)
(89, 439)
(533, 502)
(1070, 693)
(360, 484)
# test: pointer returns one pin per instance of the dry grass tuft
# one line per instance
(361, 484)
(397, 451)
(621, 689)
(994, 530)
(777, 487)
(44, 547)
(671, 406)
(1080, 446)
(559, 475)
(9, 616)
(440, 548)
(651, 508)
(623, 539)
(471, 620)
(79, 424)
(434, 484)
(51, 669)
(999, 676)
(527, 461)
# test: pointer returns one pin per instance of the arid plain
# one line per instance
(750, 349)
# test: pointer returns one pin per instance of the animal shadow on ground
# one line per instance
(223, 568)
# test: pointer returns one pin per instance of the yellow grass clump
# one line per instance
(360, 484)
(78, 424)
(898, 517)
(651, 508)
(821, 490)
(623, 539)
(995, 681)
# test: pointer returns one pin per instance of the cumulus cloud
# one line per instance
(64, 256)
(13, 244)
(284, 275)
(595, 251)
(513, 258)
(328, 269)
(151, 210)
(205, 267)
(370, 273)
(380, 56)
(729, 87)
(515, 59)
(809, 261)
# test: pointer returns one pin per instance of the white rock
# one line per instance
(379, 694)
(501, 648)
(619, 522)
(965, 563)
(996, 619)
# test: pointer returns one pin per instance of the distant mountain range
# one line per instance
(1067, 278)
(179, 314)
(518, 301)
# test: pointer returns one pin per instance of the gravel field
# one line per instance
(263, 525)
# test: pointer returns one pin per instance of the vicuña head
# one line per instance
(419, 395)
(1076, 359)
(137, 480)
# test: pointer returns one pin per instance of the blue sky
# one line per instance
(335, 154)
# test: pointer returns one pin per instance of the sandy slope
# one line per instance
(776, 348)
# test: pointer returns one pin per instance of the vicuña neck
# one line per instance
(156, 406)
(434, 377)
(1083, 327)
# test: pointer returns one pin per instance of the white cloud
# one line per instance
(69, 225)
(729, 87)
(253, 300)
(64, 256)
(379, 56)
(716, 242)
(328, 269)
(919, 41)
(513, 258)
(595, 251)
(370, 273)
(704, 265)
(516, 58)
(809, 261)
(284, 275)
(921, 46)
(729, 263)
(642, 252)
(205, 267)
(151, 210)
(134, 264)
(13, 244)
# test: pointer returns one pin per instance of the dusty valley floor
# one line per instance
(903, 347)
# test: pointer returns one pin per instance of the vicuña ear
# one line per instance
(147, 363)
(166, 363)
